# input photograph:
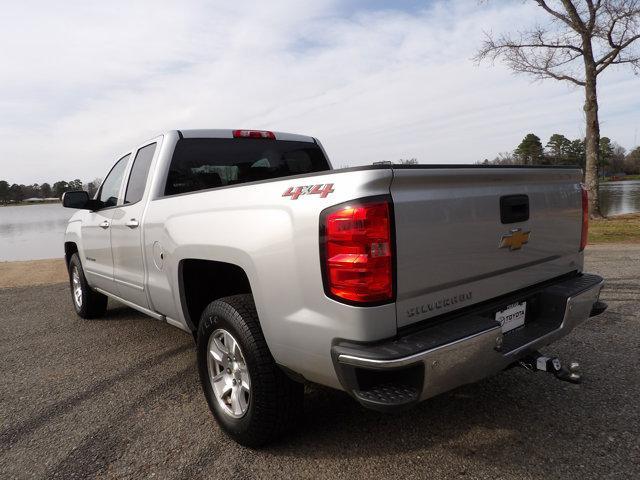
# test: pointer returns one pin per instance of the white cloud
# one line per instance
(87, 80)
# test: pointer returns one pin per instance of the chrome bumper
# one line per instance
(484, 351)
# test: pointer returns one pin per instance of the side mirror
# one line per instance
(76, 200)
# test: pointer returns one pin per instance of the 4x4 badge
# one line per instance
(322, 190)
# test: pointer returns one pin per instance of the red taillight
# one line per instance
(357, 251)
(585, 218)
(253, 134)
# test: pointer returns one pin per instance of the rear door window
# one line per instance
(203, 163)
(139, 174)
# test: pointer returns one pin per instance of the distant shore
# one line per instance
(20, 204)
(620, 179)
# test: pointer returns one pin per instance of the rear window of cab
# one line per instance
(205, 163)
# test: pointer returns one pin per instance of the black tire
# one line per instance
(275, 401)
(93, 304)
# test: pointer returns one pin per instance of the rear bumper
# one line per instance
(464, 348)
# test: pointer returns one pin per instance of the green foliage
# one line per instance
(557, 146)
(530, 151)
(16, 193)
(45, 190)
(577, 153)
(612, 158)
(605, 154)
(4, 191)
(59, 188)
(560, 150)
(75, 185)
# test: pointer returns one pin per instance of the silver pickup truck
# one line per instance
(392, 283)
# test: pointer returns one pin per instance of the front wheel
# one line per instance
(253, 401)
(87, 302)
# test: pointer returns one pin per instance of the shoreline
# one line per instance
(31, 273)
(22, 204)
(628, 178)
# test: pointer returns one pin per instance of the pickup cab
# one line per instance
(392, 283)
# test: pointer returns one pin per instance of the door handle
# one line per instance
(104, 225)
(133, 223)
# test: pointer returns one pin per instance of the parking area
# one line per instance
(119, 397)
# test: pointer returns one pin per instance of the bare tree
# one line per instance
(408, 161)
(582, 39)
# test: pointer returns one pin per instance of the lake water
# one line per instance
(32, 232)
(617, 198)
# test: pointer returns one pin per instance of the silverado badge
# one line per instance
(514, 239)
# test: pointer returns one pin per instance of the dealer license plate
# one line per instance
(512, 316)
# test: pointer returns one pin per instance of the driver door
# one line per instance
(96, 231)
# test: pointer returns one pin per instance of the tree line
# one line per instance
(613, 159)
(15, 193)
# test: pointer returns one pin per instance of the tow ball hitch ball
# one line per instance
(539, 362)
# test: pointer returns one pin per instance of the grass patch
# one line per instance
(618, 229)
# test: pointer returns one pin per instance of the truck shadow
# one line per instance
(503, 404)
(513, 419)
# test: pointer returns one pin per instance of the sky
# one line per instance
(84, 81)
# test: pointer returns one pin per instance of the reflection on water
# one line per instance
(617, 198)
(32, 232)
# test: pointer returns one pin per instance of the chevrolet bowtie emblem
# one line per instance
(514, 239)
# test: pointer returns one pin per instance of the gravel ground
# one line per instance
(119, 397)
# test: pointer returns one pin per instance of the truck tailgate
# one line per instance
(453, 249)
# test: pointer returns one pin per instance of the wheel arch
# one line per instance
(73, 239)
(201, 281)
(69, 249)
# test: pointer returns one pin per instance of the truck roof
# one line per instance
(228, 133)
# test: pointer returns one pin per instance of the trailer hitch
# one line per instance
(538, 362)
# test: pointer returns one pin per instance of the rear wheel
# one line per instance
(87, 302)
(253, 401)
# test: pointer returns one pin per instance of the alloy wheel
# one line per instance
(228, 373)
(77, 287)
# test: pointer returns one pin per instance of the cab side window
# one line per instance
(110, 189)
(139, 173)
